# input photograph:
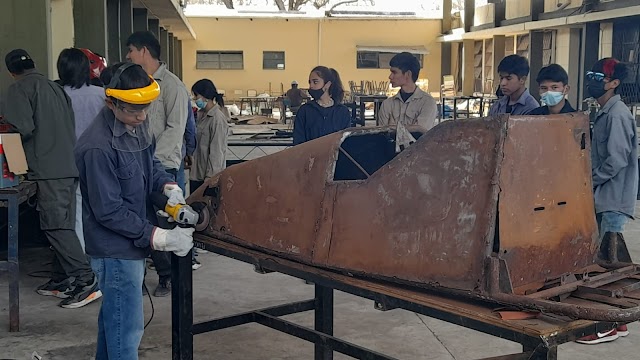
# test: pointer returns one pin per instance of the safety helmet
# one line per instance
(138, 96)
(96, 63)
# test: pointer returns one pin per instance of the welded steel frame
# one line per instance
(322, 304)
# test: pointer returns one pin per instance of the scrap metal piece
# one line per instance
(499, 209)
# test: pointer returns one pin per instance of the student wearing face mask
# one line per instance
(325, 114)
(553, 85)
(614, 163)
(209, 157)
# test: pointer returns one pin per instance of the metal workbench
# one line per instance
(539, 337)
(11, 198)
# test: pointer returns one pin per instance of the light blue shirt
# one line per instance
(87, 102)
(525, 103)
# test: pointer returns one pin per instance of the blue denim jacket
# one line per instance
(115, 186)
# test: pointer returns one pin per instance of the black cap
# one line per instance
(18, 59)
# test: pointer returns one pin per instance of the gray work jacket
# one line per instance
(168, 117)
(614, 158)
(41, 111)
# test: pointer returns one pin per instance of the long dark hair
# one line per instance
(336, 91)
(207, 90)
(73, 68)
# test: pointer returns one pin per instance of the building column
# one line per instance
(113, 32)
(140, 20)
(536, 40)
(467, 66)
(498, 55)
(24, 24)
(606, 40)
(171, 55)
(164, 46)
(154, 27)
(126, 26)
(469, 14)
(90, 25)
(179, 58)
(590, 53)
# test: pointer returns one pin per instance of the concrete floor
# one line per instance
(224, 286)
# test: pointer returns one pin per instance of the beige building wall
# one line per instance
(61, 31)
(306, 43)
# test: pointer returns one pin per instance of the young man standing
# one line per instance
(614, 162)
(516, 100)
(411, 105)
(553, 85)
(118, 171)
(168, 118)
(41, 111)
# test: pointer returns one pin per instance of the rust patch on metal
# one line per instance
(547, 218)
(498, 209)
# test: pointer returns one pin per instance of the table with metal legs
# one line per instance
(539, 337)
(11, 198)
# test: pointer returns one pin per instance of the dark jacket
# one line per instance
(115, 186)
(41, 111)
(313, 121)
(544, 110)
(614, 158)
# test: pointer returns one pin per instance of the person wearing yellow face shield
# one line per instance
(118, 171)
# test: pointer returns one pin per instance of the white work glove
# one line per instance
(164, 214)
(177, 240)
(174, 193)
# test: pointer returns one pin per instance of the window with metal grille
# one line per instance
(522, 47)
(378, 59)
(273, 60)
(220, 60)
(548, 53)
(626, 48)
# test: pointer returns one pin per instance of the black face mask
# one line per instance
(316, 94)
(596, 88)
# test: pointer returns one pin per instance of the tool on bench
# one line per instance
(195, 215)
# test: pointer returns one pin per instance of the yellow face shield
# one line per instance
(140, 96)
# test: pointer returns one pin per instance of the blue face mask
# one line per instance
(552, 98)
(200, 104)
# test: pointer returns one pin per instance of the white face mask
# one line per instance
(552, 98)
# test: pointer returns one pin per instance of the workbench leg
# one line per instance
(323, 320)
(14, 268)
(181, 307)
(542, 352)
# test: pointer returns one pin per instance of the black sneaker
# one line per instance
(163, 289)
(82, 295)
(60, 289)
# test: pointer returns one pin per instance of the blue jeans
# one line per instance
(180, 179)
(121, 318)
(611, 221)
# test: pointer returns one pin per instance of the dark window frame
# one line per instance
(220, 63)
(272, 62)
(371, 59)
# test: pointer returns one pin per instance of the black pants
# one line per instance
(194, 184)
(57, 212)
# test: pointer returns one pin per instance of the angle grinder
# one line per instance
(195, 215)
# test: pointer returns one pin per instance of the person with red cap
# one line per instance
(75, 71)
(614, 147)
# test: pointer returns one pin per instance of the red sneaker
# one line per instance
(622, 330)
(599, 337)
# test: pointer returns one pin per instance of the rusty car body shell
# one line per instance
(494, 208)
